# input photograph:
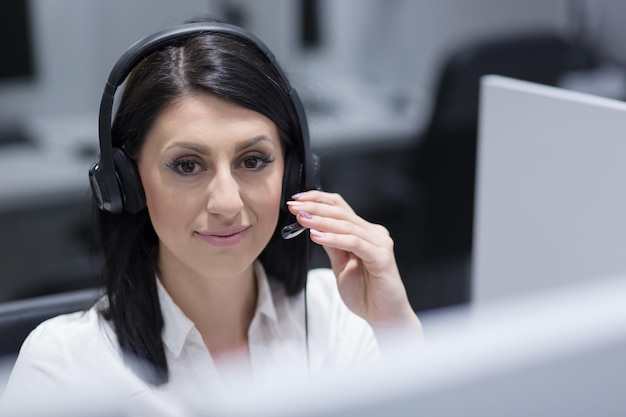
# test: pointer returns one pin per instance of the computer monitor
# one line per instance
(17, 64)
(560, 352)
(550, 188)
(16, 41)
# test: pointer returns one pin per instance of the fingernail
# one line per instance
(305, 215)
(295, 203)
(295, 196)
(316, 232)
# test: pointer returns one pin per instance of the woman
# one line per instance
(200, 284)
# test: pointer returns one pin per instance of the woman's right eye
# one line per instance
(186, 166)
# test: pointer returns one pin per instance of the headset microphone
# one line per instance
(292, 230)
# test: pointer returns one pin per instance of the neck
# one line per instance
(221, 308)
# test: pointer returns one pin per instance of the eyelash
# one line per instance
(176, 164)
(264, 159)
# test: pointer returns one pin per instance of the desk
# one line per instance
(54, 167)
(350, 116)
(344, 116)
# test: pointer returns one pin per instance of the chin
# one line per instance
(226, 263)
(223, 262)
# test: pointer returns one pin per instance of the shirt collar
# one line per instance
(265, 302)
(177, 326)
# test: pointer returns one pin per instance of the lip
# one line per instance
(224, 236)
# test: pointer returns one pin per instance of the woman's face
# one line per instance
(212, 173)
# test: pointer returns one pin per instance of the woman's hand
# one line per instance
(361, 256)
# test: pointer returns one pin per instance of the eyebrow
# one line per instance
(250, 143)
(188, 145)
(204, 151)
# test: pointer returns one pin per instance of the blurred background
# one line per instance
(390, 88)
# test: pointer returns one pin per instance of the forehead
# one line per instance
(211, 122)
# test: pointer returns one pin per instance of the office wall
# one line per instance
(76, 43)
(404, 41)
(397, 41)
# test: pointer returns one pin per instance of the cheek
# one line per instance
(266, 200)
(157, 201)
(164, 203)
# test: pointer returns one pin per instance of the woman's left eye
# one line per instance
(256, 162)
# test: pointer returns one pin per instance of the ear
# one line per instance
(128, 177)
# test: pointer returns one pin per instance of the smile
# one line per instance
(224, 236)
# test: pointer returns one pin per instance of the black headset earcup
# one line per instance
(292, 178)
(130, 182)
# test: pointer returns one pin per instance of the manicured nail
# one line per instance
(297, 195)
(295, 203)
(305, 215)
(316, 233)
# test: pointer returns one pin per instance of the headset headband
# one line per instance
(146, 46)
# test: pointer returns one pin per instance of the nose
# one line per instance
(224, 195)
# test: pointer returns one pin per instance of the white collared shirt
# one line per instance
(79, 351)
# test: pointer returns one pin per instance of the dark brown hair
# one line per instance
(233, 69)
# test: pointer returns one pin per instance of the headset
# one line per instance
(114, 178)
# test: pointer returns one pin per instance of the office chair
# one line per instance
(67, 275)
(19, 317)
(446, 154)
